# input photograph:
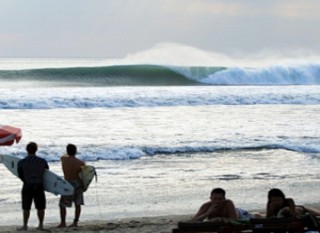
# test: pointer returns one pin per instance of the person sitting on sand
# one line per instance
(218, 209)
(280, 206)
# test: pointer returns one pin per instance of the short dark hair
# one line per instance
(32, 148)
(71, 149)
(218, 191)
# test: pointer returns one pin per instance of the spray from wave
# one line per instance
(162, 65)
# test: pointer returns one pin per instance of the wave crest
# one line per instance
(275, 75)
(159, 75)
(129, 153)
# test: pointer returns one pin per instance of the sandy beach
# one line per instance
(160, 224)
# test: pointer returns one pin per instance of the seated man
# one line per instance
(218, 209)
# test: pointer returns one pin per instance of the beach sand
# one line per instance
(160, 224)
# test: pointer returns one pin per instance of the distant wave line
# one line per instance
(133, 97)
(160, 75)
(84, 102)
(122, 75)
(129, 153)
(136, 153)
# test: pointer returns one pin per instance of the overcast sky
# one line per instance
(117, 28)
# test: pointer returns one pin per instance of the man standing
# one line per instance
(217, 209)
(30, 171)
(71, 167)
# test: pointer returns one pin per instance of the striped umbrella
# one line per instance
(9, 134)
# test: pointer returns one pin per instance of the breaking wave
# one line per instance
(51, 153)
(132, 97)
(160, 75)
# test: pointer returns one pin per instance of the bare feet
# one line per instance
(40, 228)
(24, 228)
(62, 225)
(74, 224)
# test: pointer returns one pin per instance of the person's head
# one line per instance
(71, 150)
(218, 195)
(276, 197)
(32, 148)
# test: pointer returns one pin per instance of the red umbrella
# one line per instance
(9, 134)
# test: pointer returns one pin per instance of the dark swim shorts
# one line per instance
(34, 192)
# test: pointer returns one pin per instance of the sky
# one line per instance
(124, 28)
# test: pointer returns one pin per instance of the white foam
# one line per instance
(85, 98)
(274, 75)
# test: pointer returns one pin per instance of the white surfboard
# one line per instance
(86, 175)
(52, 182)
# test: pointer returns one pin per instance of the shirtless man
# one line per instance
(217, 209)
(71, 167)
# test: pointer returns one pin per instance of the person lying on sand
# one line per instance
(280, 206)
(218, 209)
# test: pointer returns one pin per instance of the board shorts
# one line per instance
(243, 214)
(33, 192)
(76, 198)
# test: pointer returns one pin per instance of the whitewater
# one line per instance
(162, 136)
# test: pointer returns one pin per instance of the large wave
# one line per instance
(122, 75)
(160, 75)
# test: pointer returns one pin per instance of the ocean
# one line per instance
(162, 136)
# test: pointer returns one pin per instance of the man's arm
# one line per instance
(291, 206)
(20, 171)
(202, 212)
(47, 165)
(231, 210)
(269, 210)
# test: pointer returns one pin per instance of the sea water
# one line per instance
(160, 149)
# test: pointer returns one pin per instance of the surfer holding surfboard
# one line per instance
(71, 167)
(31, 170)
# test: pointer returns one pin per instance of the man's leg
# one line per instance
(77, 213)
(78, 201)
(63, 213)
(40, 204)
(41, 214)
(26, 215)
(26, 201)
